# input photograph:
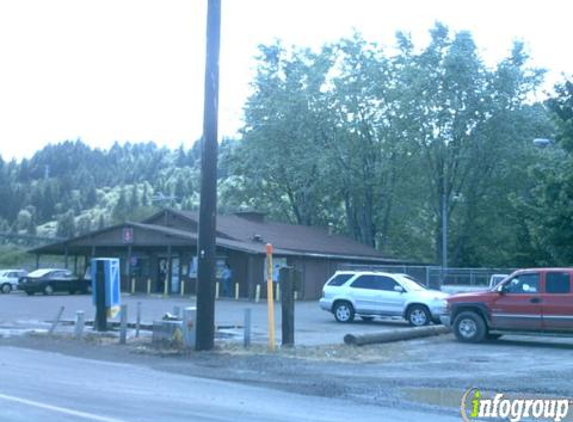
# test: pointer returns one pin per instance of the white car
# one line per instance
(9, 280)
(369, 294)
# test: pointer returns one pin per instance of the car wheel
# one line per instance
(469, 327)
(343, 311)
(418, 316)
(48, 290)
(366, 318)
(5, 288)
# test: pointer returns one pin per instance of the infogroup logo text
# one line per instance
(475, 406)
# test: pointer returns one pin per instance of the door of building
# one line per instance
(175, 278)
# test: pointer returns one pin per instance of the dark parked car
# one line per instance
(48, 281)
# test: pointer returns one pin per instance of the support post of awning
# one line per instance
(66, 256)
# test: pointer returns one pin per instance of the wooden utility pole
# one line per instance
(206, 248)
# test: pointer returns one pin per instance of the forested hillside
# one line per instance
(383, 145)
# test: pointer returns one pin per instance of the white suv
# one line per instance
(369, 294)
(9, 280)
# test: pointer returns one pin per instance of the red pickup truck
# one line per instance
(537, 300)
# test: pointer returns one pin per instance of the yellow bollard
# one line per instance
(295, 295)
(182, 288)
(148, 286)
(132, 285)
(166, 289)
(236, 291)
(217, 290)
(270, 301)
(258, 293)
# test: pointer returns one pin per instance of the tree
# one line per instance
(84, 225)
(463, 117)
(120, 210)
(547, 209)
(66, 225)
(280, 156)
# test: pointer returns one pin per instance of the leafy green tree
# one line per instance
(280, 157)
(66, 225)
(547, 209)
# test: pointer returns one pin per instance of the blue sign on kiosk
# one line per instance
(110, 272)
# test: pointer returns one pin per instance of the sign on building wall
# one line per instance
(219, 267)
(278, 263)
(127, 235)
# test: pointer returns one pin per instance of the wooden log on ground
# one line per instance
(395, 335)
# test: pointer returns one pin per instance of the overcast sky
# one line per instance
(107, 70)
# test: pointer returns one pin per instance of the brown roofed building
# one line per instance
(159, 253)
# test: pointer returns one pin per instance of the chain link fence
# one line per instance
(434, 276)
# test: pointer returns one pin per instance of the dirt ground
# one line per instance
(429, 374)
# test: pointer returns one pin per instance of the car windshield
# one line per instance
(410, 284)
(39, 273)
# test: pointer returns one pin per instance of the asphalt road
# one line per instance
(49, 387)
(313, 326)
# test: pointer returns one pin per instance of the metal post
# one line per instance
(169, 275)
(128, 262)
(56, 321)
(444, 237)
(247, 328)
(101, 316)
(80, 323)
(270, 298)
(138, 320)
(123, 325)
(287, 305)
(208, 202)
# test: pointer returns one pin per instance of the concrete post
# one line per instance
(138, 320)
(247, 328)
(79, 326)
(177, 311)
(189, 327)
(258, 293)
